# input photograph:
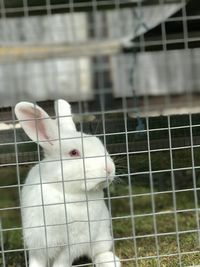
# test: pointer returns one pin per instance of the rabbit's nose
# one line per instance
(109, 170)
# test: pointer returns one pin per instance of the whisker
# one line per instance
(121, 166)
(118, 168)
(119, 159)
(97, 125)
(118, 180)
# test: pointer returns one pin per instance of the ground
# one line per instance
(135, 236)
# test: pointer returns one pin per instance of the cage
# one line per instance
(130, 71)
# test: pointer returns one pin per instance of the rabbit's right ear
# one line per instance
(37, 124)
(64, 115)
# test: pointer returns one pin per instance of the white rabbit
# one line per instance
(64, 215)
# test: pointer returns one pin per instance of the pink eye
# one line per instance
(74, 153)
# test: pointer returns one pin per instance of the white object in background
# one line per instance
(47, 79)
(157, 73)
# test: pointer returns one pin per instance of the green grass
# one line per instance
(142, 224)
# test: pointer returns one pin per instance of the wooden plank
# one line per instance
(41, 52)
(146, 106)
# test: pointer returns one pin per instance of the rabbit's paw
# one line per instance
(107, 259)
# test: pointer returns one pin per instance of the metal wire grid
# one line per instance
(25, 7)
(152, 194)
(131, 195)
(98, 26)
(185, 36)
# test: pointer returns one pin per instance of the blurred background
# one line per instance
(130, 69)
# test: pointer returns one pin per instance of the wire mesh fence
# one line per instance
(129, 69)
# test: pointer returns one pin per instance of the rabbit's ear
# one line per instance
(64, 115)
(37, 124)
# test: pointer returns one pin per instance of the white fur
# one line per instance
(64, 215)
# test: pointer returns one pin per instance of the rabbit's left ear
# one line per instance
(37, 124)
(64, 115)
